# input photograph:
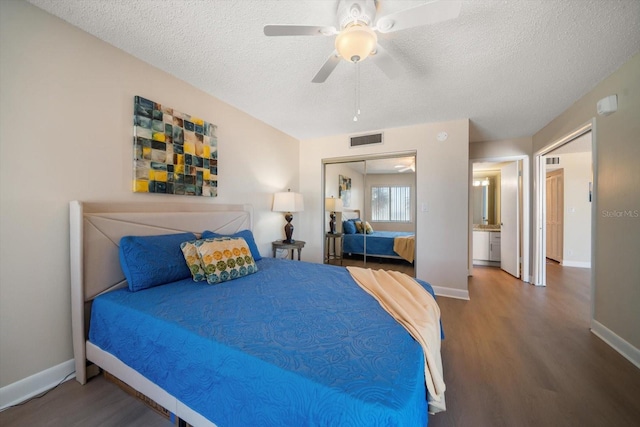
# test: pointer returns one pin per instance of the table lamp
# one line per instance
(332, 205)
(288, 202)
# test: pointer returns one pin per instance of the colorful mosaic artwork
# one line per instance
(174, 153)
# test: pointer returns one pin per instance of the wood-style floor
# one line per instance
(377, 263)
(520, 355)
(514, 355)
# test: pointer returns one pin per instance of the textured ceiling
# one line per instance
(508, 66)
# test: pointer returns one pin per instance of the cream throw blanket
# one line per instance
(415, 309)
(405, 246)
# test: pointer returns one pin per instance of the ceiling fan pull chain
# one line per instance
(357, 92)
(356, 95)
(358, 83)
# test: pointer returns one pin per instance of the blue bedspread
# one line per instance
(378, 243)
(294, 344)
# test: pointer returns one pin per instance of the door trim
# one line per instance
(539, 212)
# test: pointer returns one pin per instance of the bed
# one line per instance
(295, 343)
(383, 244)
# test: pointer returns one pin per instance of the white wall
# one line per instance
(406, 179)
(332, 174)
(577, 208)
(66, 108)
(442, 188)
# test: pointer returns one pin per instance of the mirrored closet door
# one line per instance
(370, 211)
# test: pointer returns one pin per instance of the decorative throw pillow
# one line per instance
(149, 261)
(348, 227)
(247, 235)
(225, 258)
(368, 228)
(190, 252)
(359, 227)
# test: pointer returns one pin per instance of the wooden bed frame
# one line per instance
(95, 232)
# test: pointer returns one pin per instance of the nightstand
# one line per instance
(333, 243)
(280, 244)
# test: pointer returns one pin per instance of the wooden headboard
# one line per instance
(95, 232)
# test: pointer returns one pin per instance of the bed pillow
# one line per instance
(247, 235)
(363, 227)
(225, 258)
(368, 228)
(149, 261)
(190, 253)
(348, 227)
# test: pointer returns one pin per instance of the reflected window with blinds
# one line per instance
(390, 204)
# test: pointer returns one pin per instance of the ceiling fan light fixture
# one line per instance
(356, 42)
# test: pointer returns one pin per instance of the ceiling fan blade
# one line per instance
(327, 68)
(298, 30)
(428, 13)
(386, 63)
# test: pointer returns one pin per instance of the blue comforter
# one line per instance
(377, 243)
(294, 344)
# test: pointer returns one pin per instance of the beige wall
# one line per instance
(617, 191)
(502, 148)
(66, 108)
(442, 188)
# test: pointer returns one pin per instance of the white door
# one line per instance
(555, 214)
(509, 218)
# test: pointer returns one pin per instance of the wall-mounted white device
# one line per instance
(607, 105)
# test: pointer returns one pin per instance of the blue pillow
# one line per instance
(247, 235)
(149, 261)
(348, 227)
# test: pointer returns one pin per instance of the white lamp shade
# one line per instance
(333, 205)
(356, 42)
(287, 202)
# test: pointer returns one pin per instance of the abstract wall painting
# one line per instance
(344, 190)
(174, 153)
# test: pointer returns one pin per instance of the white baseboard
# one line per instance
(26, 388)
(579, 264)
(451, 293)
(623, 347)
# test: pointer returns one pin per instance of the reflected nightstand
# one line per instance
(333, 243)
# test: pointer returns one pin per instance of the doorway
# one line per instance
(499, 234)
(564, 203)
(375, 225)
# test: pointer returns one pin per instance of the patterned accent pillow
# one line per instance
(190, 252)
(359, 227)
(247, 235)
(368, 228)
(225, 258)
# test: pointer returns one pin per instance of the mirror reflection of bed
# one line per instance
(378, 196)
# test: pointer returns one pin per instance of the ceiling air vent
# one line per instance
(553, 160)
(357, 141)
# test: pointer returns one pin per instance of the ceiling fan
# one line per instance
(357, 39)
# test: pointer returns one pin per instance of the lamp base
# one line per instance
(288, 228)
(332, 223)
